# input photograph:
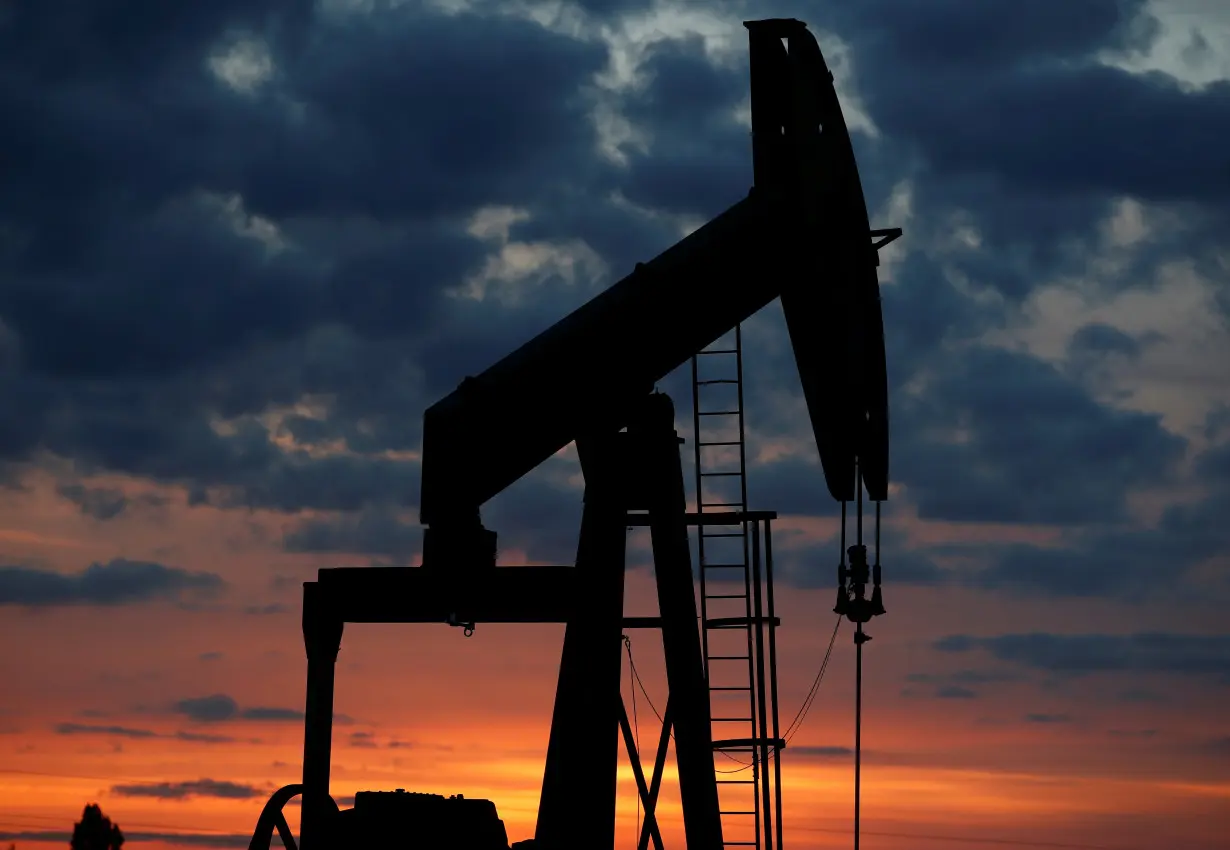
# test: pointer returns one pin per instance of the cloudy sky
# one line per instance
(244, 244)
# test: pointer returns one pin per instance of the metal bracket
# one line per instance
(885, 235)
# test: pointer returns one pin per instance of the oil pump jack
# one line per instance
(801, 235)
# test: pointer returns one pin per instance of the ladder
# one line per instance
(726, 585)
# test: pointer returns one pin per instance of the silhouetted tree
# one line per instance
(96, 831)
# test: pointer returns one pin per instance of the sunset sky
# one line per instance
(244, 244)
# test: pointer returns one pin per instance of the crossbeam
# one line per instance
(417, 595)
(420, 595)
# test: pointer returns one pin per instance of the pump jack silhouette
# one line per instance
(801, 234)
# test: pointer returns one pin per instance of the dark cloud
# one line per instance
(362, 739)
(821, 752)
(118, 582)
(1217, 422)
(971, 37)
(957, 684)
(1120, 560)
(989, 126)
(1212, 466)
(320, 159)
(188, 790)
(101, 503)
(1085, 654)
(699, 157)
(200, 738)
(792, 486)
(955, 692)
(1024, 443)
(611, 8)
(980, 677)
(1096, 345)
(217, 708)
(1099, 338)
(962, 677)
(372, 532)
(113, 731)
(1020, 98)
(104, 503)
(208, 709)
(1099, 564)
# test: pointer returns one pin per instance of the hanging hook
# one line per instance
(467, 628)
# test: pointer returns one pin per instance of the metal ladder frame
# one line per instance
(764, 742)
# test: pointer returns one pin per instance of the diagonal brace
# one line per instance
(650, 798)
(651, 822)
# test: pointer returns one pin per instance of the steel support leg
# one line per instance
(579, 784)
(322, 637)
(658, 444)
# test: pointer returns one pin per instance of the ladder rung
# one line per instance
(742, 744)
(719, 351)
(731, 720)
(720, 474)
(738, 622)
(739, 843)
(718, 413)
(725, 566)
(727, 596)
(729, 657)
(733, 688)
(721, 504)
(718, 381)
(752, 812)
(724, 534)
(721, 443)
(736, 782)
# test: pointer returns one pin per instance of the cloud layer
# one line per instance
(244, 245)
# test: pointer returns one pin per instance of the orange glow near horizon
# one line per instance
(441, 713)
